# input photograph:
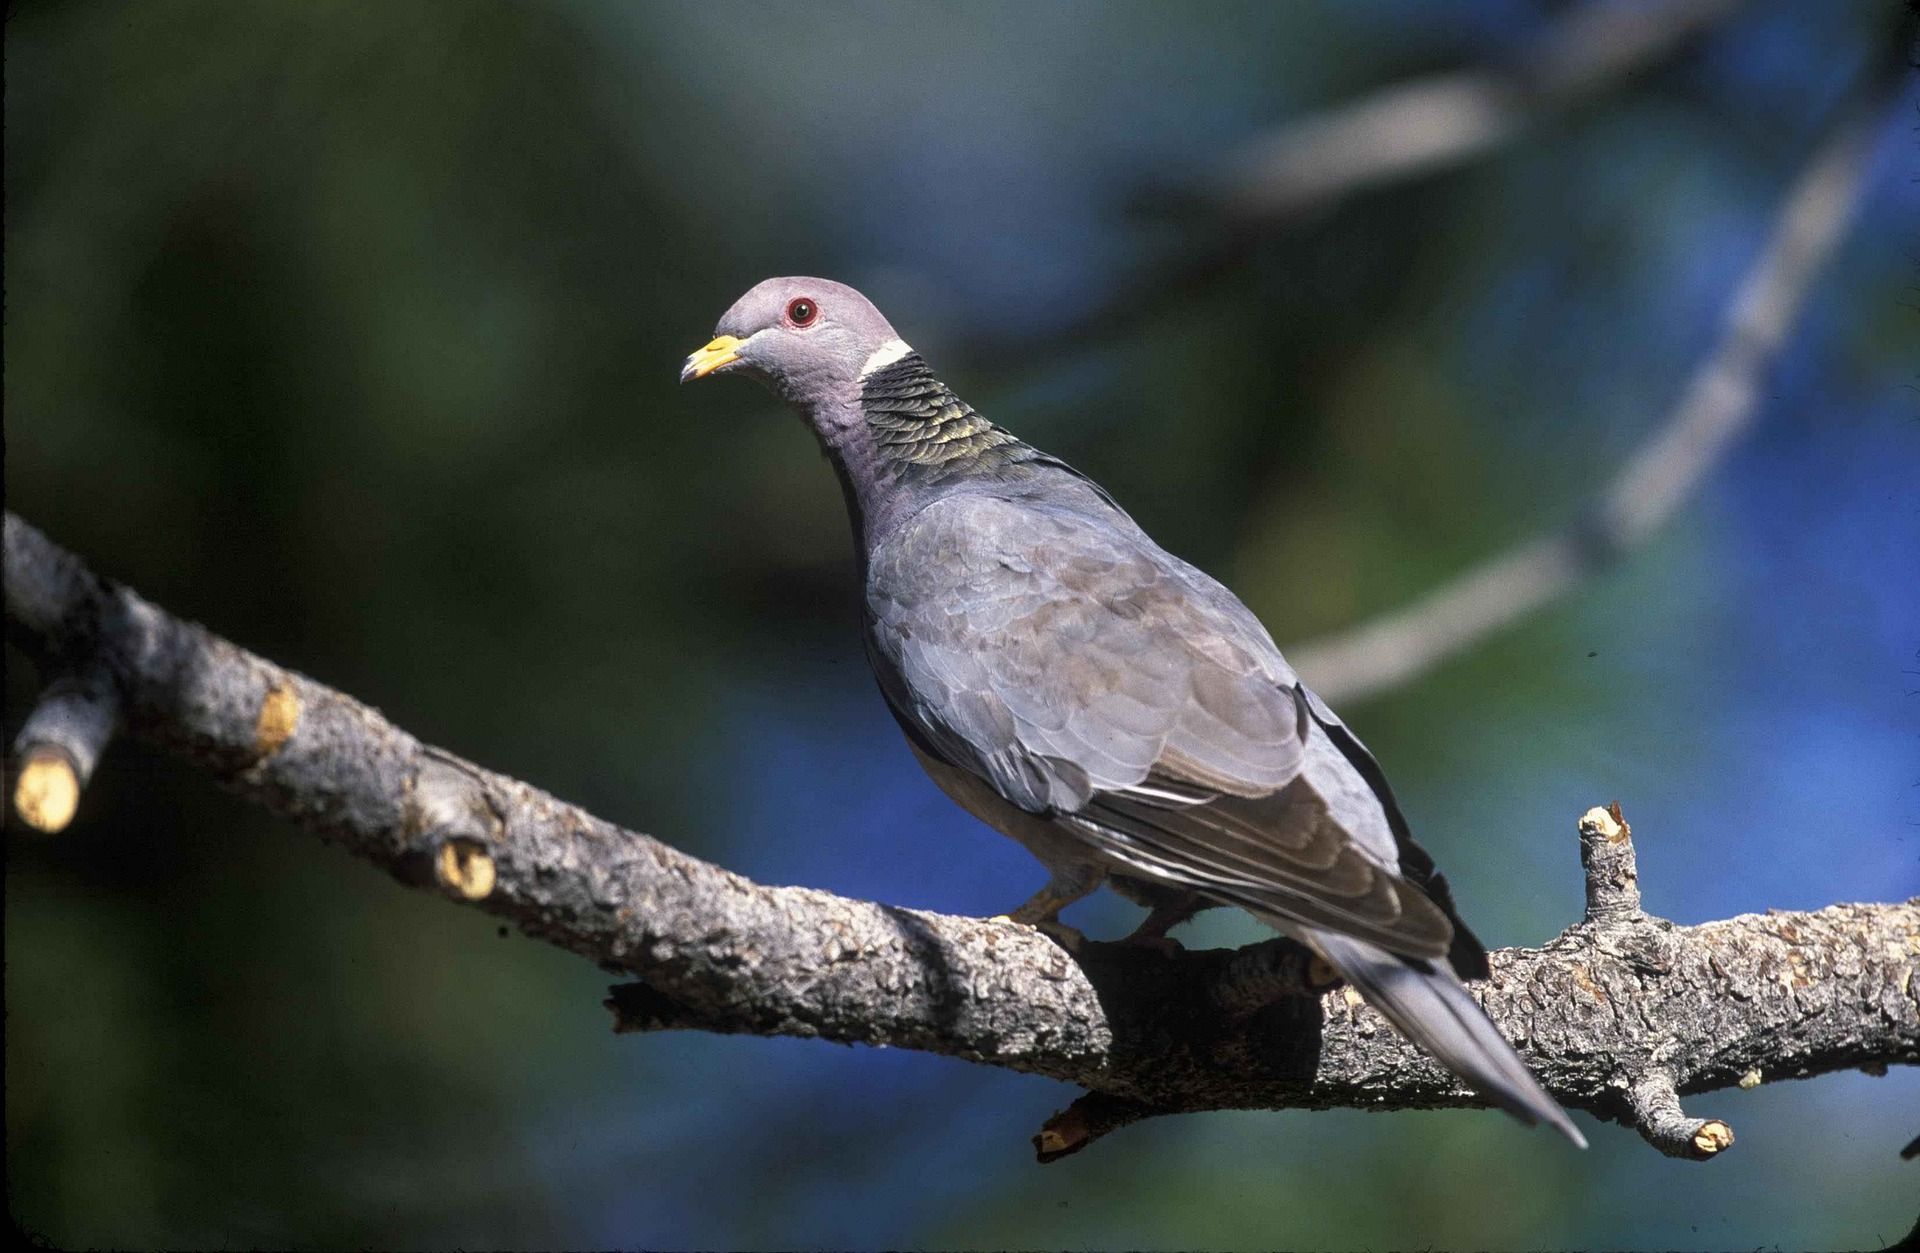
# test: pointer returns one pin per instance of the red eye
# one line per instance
(802, 312)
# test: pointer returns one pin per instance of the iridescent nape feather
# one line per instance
(916, 420)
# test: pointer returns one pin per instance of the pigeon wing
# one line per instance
(1088, 676)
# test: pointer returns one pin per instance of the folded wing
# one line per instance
(1089, 676)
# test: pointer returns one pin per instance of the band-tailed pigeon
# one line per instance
(1111, 707)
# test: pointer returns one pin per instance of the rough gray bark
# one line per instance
(1618, 1014)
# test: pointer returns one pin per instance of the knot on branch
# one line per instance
(457, 821)
(278, 719)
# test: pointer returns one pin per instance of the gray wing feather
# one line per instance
(1088, 675)
(1082, 645)
(1317, 850)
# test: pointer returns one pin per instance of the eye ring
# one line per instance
(802, 312)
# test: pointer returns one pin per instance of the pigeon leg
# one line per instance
(1152, 932)
(1042, 911)
(1067, 885)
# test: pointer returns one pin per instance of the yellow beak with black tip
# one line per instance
(722, 351)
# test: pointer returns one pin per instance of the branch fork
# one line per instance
(1615, 919)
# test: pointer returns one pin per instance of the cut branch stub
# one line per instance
(1613, 875)
(464, 869)
(1654, 1105)
(60, 744)
(1091, 1116)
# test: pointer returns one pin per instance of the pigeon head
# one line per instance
(809, 339)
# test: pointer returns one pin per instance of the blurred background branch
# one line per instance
(1776, 995)
(1416, 127)
(1715, 407)
(1401, 131)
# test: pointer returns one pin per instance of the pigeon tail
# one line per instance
(1433, 1008)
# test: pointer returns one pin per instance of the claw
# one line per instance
(1068, 938)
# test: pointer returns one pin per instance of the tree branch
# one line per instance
(1615, 1014)
(1715, 408)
